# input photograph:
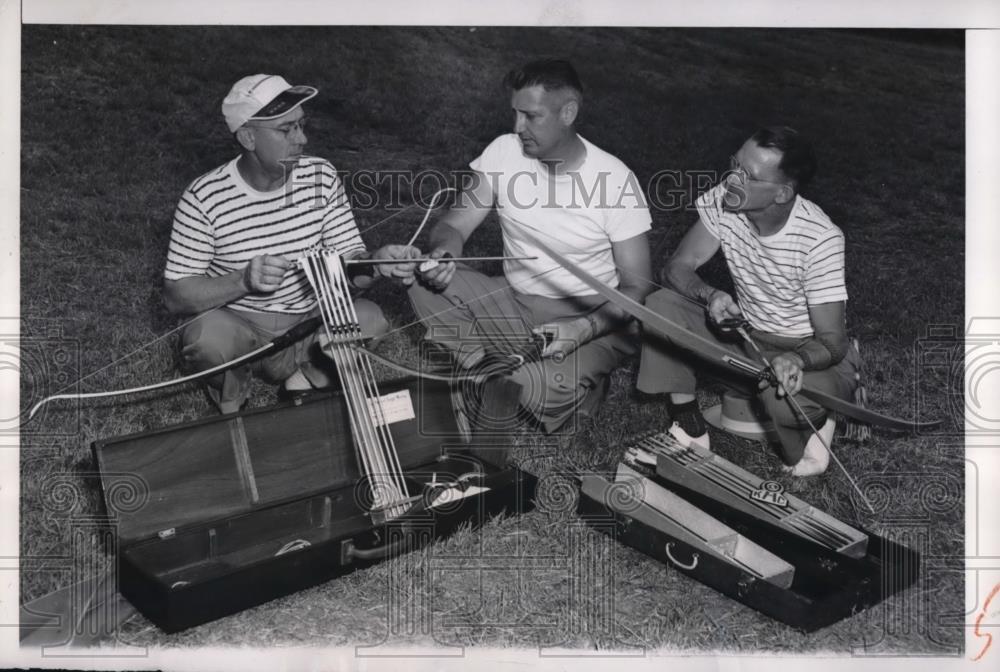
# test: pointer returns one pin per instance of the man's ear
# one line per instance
(568, 112)
(245, 137)
(785, 194)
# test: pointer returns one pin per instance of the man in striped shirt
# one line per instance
(786, 259)
(237, 233)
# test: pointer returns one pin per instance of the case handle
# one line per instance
(349, 552)
(670, 556)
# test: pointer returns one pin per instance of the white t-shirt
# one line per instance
(778, 277)
(579, 214)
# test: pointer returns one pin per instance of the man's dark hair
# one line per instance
(798, 160)
(551, 73)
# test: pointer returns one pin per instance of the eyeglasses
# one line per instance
(286, 129)
(742, 176)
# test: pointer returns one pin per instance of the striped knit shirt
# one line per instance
(778, 277)
(221, 223)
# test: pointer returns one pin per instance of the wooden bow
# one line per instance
(713, 352)
(295, 333)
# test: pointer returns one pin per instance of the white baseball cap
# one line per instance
(262, 97)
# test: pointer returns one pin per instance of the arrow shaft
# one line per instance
(798, 409)
(352, 262)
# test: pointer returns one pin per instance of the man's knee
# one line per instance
(548, 387)
(783, 413)
(214, 339)
(371, 319)
(661, 301)
(420, 295)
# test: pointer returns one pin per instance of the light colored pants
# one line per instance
(664, 368)
(477, 310)
(223, 335)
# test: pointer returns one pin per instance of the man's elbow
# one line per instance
(172, 298)
(638, 288)
(678, 271)
(838, 347)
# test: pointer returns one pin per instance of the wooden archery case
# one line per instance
(724, 535)
(218, 515)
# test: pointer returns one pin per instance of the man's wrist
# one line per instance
(376, 269)
(244, 280)
(593, 325)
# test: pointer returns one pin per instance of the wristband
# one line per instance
(816, 353)
(593, 325)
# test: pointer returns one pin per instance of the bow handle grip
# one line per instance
(732, 324)
(299, 331)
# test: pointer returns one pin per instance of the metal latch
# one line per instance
(166, 534)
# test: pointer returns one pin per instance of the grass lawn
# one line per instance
(116, 121)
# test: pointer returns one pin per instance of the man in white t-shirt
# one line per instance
(546, 179)
(786, 259)
(237, 233)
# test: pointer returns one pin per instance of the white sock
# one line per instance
(297, 381)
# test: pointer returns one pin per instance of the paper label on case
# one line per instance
(392, 407)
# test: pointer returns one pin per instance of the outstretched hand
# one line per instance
(437, 274)
(404, 273)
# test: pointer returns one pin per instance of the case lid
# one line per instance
(159, 482)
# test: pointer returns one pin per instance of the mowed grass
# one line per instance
(117, 121)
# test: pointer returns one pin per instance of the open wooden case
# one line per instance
(218, 515)
(745, 537)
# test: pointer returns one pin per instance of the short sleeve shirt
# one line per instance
(579, 214)
(778, 277)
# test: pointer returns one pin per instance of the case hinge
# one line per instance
(166, 534)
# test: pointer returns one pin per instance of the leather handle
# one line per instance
(300, 330)
(670, 556)
(349, 552)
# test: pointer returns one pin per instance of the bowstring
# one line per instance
(430, 208)
(142, 347)
(194, 319)
(455, 307)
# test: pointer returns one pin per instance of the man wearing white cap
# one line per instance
(236, 233)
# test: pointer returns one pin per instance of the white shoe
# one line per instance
(689, 441)
(815, 457)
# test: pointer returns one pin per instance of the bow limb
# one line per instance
(154, 386)
(293, 334)
(865, 415)
(416, 372)
(713, 352)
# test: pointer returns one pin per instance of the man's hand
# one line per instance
(404, 273)
(721, 307)
(264, 273)
(788, 370)
(564, 336)
(437, 274)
